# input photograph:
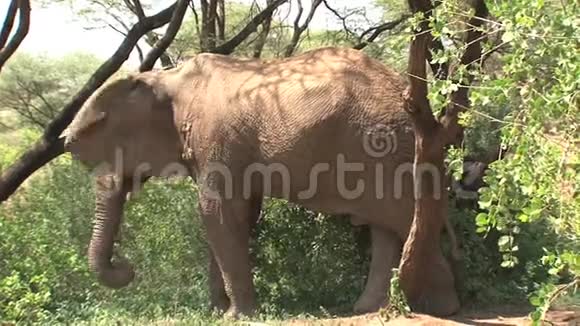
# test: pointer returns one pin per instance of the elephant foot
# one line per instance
(436, 294)
(437, 303)
(221, 303)
(237, 312)
(366, 304)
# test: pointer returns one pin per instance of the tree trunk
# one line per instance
(221, 20)
(426, 277)
(263, 36)
(208, 25)
(432, 292)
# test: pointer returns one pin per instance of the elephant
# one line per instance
(325, 129)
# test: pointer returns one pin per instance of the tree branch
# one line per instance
(8, 22)
(339, 16)
(151, 38)
(206, 40)
(416, 101)
(50, 145)
(221, 20)
(263, 36)
(299, 29)
(195, 17)
(377, 31)
(21, 32)
(229, 46)
(471, 60)
(162, 45)
(136, 7)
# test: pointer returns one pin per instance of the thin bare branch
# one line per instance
(376, 31)
(300, 28)
(138, 9)
(139, 53)
(341, 18)
(195, 17)
(116, 29)
(229, 46)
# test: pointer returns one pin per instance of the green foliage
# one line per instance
(537, 180)
(398, 305)
(524, 240)
(36, 87)
(24, 299)
(546, 295)
(529, 97)
(306, 260)
(480, 278)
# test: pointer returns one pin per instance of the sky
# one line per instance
(54, 30)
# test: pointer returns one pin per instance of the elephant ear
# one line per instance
(93, 111)
(86, 119)
(142, 95)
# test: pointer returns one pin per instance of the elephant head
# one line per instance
(126, 133)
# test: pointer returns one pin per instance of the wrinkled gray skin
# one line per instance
(217, 111)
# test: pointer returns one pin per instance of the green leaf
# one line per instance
(505, 243)
(523, 218)
(554, 271)
(507, 37)
(507, 264)
(504, 240)
(536, 316)
(481, 219)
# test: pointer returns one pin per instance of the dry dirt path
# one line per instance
(501, 317)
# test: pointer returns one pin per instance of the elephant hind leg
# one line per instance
(385, 255)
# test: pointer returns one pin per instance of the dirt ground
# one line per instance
(499, 317)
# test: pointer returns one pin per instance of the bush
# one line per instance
(45, 231)
(304, 260)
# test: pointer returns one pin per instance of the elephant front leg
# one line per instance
(386, 252)
(227, 224)
(217, 292)
(218, 297)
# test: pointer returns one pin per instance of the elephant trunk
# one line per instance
(110, 199)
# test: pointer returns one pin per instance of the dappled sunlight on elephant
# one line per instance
(325, 130)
